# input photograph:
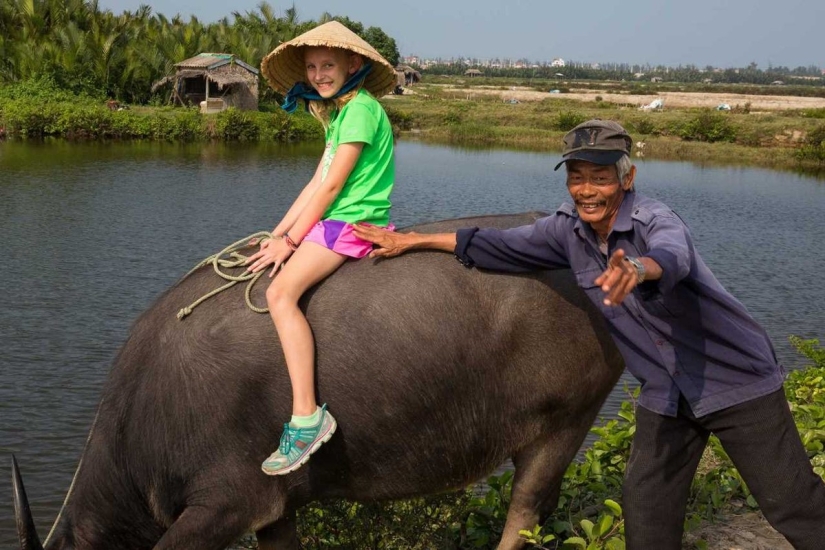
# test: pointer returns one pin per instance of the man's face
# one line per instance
(597, 192)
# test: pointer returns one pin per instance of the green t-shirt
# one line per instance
(365, 196)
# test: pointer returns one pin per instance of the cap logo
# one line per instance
(585, 136)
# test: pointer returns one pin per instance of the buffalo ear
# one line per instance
(22, 513)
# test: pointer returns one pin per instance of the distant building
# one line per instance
(557, 62)
(473, 73)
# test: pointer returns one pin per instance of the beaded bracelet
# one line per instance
(289, 242)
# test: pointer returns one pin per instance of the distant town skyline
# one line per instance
(727, 34)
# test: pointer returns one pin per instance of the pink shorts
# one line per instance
(338, 237)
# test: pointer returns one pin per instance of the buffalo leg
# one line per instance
(539, 469)
(281, 535)
(204, 529)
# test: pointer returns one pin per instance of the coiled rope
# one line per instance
(230, 258)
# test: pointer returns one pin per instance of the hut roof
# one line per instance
(208, 61)
(221, 79)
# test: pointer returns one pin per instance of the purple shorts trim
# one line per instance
(338, 237)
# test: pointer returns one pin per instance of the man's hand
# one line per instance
(389, 242)
(618, 280)
(273, 251)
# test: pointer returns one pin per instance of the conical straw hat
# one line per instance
(284, 66)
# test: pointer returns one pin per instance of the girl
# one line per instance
(352, 183)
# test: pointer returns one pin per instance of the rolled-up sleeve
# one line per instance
(515, 250)
(671, 247)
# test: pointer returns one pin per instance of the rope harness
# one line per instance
(230, 258)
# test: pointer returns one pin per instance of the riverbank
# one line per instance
(771, 131)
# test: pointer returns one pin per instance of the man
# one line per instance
(704, 364)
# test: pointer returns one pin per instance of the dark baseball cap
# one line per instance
(598, 141)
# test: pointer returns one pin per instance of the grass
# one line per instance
(444, 115)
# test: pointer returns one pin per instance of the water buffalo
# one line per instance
(436, 373)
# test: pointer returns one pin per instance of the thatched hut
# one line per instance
(473, 73)
(215, 81)
(407, 76)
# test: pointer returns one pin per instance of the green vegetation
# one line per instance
(86, 50)
(477, 116)
(39, 108)
(589, 515)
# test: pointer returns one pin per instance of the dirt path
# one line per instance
(741, 532)
(671, 99)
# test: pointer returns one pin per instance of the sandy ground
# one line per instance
(671, 99)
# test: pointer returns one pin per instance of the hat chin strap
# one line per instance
(302, 90)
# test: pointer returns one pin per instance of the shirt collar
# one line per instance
(624, 219)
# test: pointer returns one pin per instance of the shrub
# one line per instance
(398, 118)
(417, 524)
(805, 390)
(233, 124)
(27, 119)
(709, 126)
(813, 148)
(567, 120)
(644, 126)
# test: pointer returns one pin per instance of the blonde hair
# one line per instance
(323, 108)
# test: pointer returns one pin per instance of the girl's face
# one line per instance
(329, 68)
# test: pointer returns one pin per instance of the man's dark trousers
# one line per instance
(763, 442)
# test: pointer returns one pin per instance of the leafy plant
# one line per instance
(709, 126)
(813, 148)
(567, 120)
(606, 533)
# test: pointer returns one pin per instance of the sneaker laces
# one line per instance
(288, 438)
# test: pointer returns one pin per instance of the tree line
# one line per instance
(90, 51)
(622, 71)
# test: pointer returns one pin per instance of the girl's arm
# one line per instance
(300, 202)
(315, 202)
(345, 158)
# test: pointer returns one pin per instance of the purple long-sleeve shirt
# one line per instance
(683, 334)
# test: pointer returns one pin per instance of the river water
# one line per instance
(92, 233)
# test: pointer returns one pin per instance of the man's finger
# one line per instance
(617, 258)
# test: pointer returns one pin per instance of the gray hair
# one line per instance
(623, 167)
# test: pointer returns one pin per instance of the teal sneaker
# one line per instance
(297, 444)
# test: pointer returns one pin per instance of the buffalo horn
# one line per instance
(22, 513)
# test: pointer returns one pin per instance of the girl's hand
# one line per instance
(273, 251)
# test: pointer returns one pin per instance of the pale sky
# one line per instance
(722, 33)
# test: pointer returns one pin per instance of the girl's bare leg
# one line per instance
(309, 265)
